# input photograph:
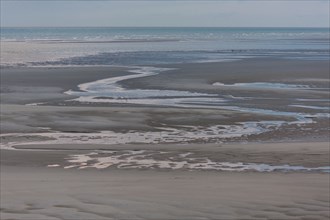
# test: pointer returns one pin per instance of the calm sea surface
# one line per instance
(147, 46)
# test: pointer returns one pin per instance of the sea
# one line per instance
(81, 46)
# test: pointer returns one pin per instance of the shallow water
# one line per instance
(265, 85)
(150, 46)
(141, 159)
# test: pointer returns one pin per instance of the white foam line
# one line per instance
(53, 165)
(136, 159)
(170, 102)
(35, 104)
(266, 85)
(109, 82)
(310, 107)
(313, 100)
(302, 118)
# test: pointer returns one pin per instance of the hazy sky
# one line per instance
(243, 13)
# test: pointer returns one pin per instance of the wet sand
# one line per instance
(31, 190)
(199, 77)
(28, 85)
(52, 193)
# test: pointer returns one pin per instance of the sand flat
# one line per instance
(43, 193)
(47, 132)
(31, 190)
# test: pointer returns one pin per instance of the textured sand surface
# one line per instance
(71, 160)
(54, 193)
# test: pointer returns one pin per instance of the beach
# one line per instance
(65, 158)
(164, 123)
(49, 99)
(50, 193)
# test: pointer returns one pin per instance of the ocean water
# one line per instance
(147, 46)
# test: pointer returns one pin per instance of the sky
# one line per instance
(203, 13)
